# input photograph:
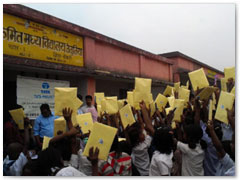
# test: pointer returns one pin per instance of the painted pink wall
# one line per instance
(186, 64)
(91, 86)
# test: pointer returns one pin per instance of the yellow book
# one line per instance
(168, 110)
(198, 79)
(111, 106)
(174, 125)
(229, 73)
(99, 97)
(179, 104)
(184, 94)
(184, 87)
(206, 93)
(214, 101)
(99, 110)
(18, 116)
(45, 142)
(85, 121)
(143, 85)
(101, 136)
(225, 101)
(161, 102)
(103, 105)
(78, 103)
(177, 86)
(130, 98)
(152, 108)
(233, 90)
(74, 119)
(168, 91)
(126, 116)
(171, 101)
(223, 84)
(139, 97)
(65, 97)
(210, 110)
(120, 103)
(59, 125)
(111, 97)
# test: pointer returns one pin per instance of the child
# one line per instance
(192, 152)
(161, 163)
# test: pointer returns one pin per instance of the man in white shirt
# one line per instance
(90, 108)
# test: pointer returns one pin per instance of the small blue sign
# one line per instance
(45, 85)
(100, 141)
(222, 106)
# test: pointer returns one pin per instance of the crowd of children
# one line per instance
(151, 146)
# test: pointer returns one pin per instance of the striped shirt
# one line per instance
(116, 167)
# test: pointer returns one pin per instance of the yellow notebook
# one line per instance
(152, 108)
(65, 97)
(184, 94)
(59, 125)
(177, 86)
(103, 105)
(126, 116)
(223, 84)
(78, 103)
(99, 110)
(111, 97)
(143, 85)
(111, 106)
(210, 110)
(179, 104)
(198, 79)
(229, 73)
(101, 136)
(171, 101)
(45, 142)
(85, 121)
(120, 103)
(174, 125)
(130, 98)
(161, 102)
(206, 93)
(233, 90)
(225, 101)
(168, 91)
(168, 110)
(99, 97)
(139, 97)
(18, 116)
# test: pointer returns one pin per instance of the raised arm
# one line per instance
(67, 114)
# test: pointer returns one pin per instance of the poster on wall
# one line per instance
(32, 92)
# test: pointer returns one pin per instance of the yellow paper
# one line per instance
(229, 73)
(174, 125)
(18, 116)
(59, 125)
(65, 97)
(111, 106)
(171, 101)
(187, 84)
(121, 139)
(210, 110)
(99, 110)
(103, 105)
(120, 103)
(179, 104)
(198, 79)
(99, 97)
(74, 119)
(168, 91)
(233, 90)
(206, 93)
(168, 110)
(184, 87)
(126, 116)
(45, 142)
(184, 94)
(143, 85)
(101, 136)
(225, 102)
(152, 108)
(161, 102)
(177, 86)
(130, 98)
(223, 84)
(111, 97)
(139, 97)
(85, 121)
(78, 103)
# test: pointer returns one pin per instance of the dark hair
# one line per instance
(163, 140)
(79, 96)
(227, 148)
(134, 132)
(64, 147)
(194, 134)
(115, 144)
(88, 97)
(44, 106)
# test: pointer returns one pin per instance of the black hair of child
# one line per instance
(88, 97)
(134, 132)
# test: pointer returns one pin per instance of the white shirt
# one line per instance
(161, 164)
(73, 161)
(226, 166)
(85, 165)
(192, 160)
(17, 167)
(140, 157)
(69, 171)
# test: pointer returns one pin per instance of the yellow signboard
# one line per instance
(27, 39)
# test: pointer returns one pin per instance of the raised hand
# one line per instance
(67, 114)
